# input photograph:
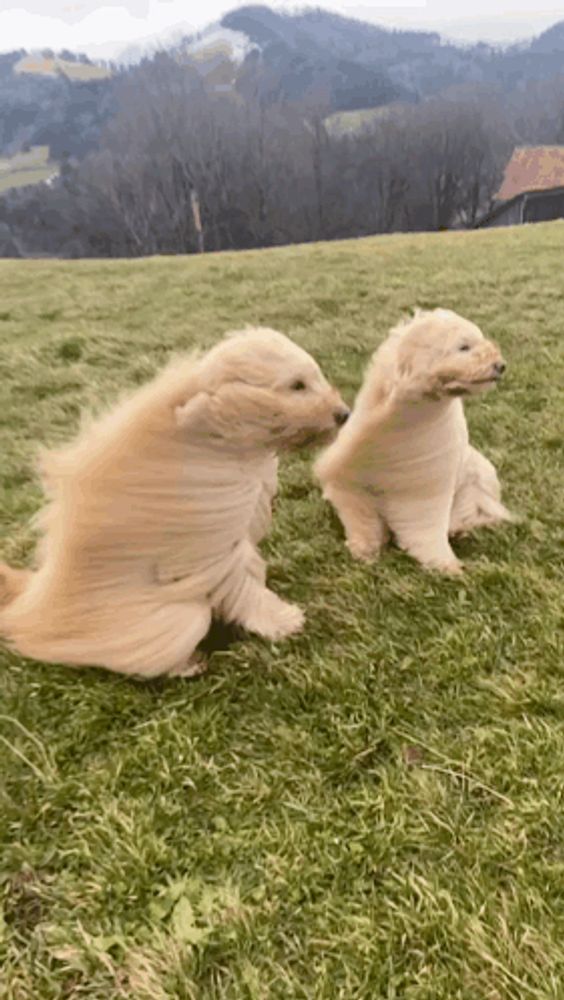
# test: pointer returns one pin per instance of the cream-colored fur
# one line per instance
(403, 462)
(156, 510)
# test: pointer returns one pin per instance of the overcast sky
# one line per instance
(104, 27)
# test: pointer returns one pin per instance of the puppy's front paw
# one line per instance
(450, 568)
(274, 619)
(363, 549)
(288, 620)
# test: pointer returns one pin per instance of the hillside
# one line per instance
(358, 64)
(373, 809)
(266, 129)
(351, 64)
(312, 56)
(62, 105)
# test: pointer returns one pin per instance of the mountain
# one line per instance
(44, 104)
(135, 52)
(551, 42)
(334, 63)
(349, 64)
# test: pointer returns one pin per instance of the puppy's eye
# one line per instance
(464, 347)
(299, 385)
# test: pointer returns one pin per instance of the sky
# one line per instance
(103, 28)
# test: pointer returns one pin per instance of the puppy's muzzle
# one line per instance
(499, 368)
(341, 416)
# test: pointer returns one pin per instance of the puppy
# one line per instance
(404, 463)
(156, 510)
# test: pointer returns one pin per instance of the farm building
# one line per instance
(532, 189)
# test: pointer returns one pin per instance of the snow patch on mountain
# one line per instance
(216, 39)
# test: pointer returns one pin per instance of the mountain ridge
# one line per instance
(311, 57)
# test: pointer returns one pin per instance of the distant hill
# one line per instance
(62, 103)
(360, 65)
(550, 42)
(339, 64)
(346, 64)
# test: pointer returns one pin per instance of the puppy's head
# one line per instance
(259, 389)
(448, 353)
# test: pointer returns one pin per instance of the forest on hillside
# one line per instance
(161, 158)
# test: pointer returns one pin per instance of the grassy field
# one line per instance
(341, 123)
(39, 65)
(26, 168)
(372, 810)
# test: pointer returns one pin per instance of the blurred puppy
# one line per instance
(404, 462)
(156, 510)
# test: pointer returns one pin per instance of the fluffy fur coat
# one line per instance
(155, 512)
(403, 463)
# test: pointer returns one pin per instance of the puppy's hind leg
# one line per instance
(477, 501)
(12, 583)
(421, 529)
(365, 530)
(162, 641)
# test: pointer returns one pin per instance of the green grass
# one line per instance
(374, 809)
(341, 123)
(27, 168)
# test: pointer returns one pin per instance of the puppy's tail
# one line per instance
(12, 583)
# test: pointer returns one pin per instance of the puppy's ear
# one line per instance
(195, 414)
(236, 411)
(240, 410)
(404, 367)
(414, 381)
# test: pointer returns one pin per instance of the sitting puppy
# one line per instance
(156, 510)
(404, 462)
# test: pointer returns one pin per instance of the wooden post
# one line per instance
(195, 204)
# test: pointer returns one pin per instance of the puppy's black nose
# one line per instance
(499, 367)
(341, 416)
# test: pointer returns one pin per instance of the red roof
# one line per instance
(532, 168)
